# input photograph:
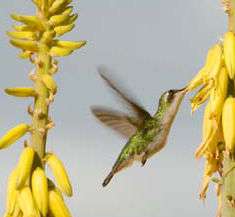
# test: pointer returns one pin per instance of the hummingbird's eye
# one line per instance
(170, 95)
(171, 92)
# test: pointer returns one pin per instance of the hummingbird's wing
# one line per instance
(138, 111)
(118, 121)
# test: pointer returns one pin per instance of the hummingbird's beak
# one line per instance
(183, 90)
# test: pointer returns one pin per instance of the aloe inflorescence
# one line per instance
(217, 79)
(30, 192)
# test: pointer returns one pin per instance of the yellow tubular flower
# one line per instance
(229, 53)
(200, 97)
(216, 64)
(67, 11)
(218, 95)
(57, 5)
(56, 20)
(25, 45)
(70, 44)
(11, 192)
(59, 173)
(56, 51)
(199, 78)
(22, 35)
(24, 28)
(26, 201)
(40, 190)
(24, 166)
(57, 206)
(49, 83)
(228, 123)
(209, 132)
(13, 134)
(61, 30)
(21, 91)
(216, 60)
(33, 21)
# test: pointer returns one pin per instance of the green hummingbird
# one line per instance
(146, 134)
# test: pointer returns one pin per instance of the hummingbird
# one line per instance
(146, 134)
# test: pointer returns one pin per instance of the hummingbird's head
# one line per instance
(170, 101)
(172, 96)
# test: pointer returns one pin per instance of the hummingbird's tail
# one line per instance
(107, 179)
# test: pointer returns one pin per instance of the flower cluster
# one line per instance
(30, 192)
(217, 78)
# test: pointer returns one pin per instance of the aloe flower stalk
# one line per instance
(30, 192)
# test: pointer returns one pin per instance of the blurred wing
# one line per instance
(137, 109)
(121, 123)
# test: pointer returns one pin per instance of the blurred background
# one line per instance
(151, 46)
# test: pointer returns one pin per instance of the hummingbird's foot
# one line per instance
(144, 159)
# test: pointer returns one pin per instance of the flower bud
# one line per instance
(24, 166)
(57, 205)
(228, 123)
(59, 173)
(40, 190)
(21, 92)
(13, 134)
(229, 53)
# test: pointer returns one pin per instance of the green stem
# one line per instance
(41, 107)
(228, 188)
(228, 184)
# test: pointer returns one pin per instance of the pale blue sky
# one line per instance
(151, 46)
